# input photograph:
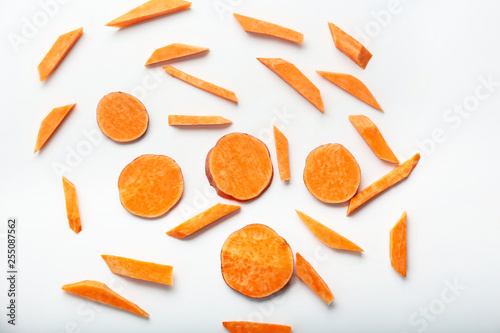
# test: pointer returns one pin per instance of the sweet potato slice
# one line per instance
(239, 167)
(122, 117)
(256, 261)
(149, 10)
(390, 179)
(332, 174)
(201, 220)
(150, 185)
(71, 206)
(174, 51)
(309, 275)
(181, 120)
(372, 136)
(327, 235)
(138, 269)
(99, 292)
(397, 245)
(203, 85)
(57, 52)
(50, 123)
(350, 46)
(353, 86)
(269, 29)
(298, 81)
(281, 143)
(251, 327)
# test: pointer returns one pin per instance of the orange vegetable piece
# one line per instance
(50, 123)
(392, 178)
(372, 136)
(149, 10)
(201, 220)
(174, 51)
(203, 85)
(353, 86)
(269, 29)
(57, 52)
(141, 270)
(71, 206)
(332, 174)
(239, 167)
(309, 275)
(256, 261)
(281, 143)
(298, 81)
(327, 235)
(251, 327)
(122, 117)
(150, 185)
(180, 120)
(398, 245)
(350, 46)
(99, 292)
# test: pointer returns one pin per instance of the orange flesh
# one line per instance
(350, 46)
(50, 123)
(281, 143)
(309, 275)
(270, 29)
(137, 269)
(173, 51)
(72, 206)
(181, 120)
(398, 245)
(251, 327)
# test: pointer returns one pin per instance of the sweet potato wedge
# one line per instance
(269, 29)
(397, 247)
(309, 275)
(181, 120)
(71, 206)
(174, 51)
(138, 269)
(50, 123)
(281, 143)
(251, 327)
(350, 46)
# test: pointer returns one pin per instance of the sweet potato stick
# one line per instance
(269, 29)
(137, 269)
(174, 51)
(50, 123)
(350, 46)
(71, 206)
(309, 275)
(181, 120)
(281, 143)
(397, 246)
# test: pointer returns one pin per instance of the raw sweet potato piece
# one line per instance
(173, 51)
(201, 220)
(327, 235)
(350, 46)
(203, 85)
(57, 52)
(332, 174)
(181, 120)
(353, 86)
(372, 136)
(269, 29)
(298, 81)
(397, 246)
(256, 261)
(239, 167)
(393, 177)
(141, 270)
(309, 275)
(71, 206)
(281, 143)
(149, 10)
(251, 327)
(50, 123)
(99, 292)
(150, 185)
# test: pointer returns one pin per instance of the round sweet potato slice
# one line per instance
(150, 185)
(332, 174)
(122, 117)
(239, 167)
(256, 261)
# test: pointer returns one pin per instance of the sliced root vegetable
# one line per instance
(327, 235)
(398, 245)
(309, 275)
(332, 174)
(99, 292)
(251, 327)
(298, 81)
(50, 123)
(239, 167)
(122, 117)
(174, 51)
(269, 29)
(141, 270)
(201, 220)
(181, 120)
(390, 179)
(281, 143)
(150, 185)
(256, 261)
(350, 46)
(149, 10)
(71, 206)
(57, 52)
(203, 85)
(353, 86)
(372, 136)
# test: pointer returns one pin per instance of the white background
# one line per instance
(427, 58)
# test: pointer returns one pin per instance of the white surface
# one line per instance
(429, 57)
